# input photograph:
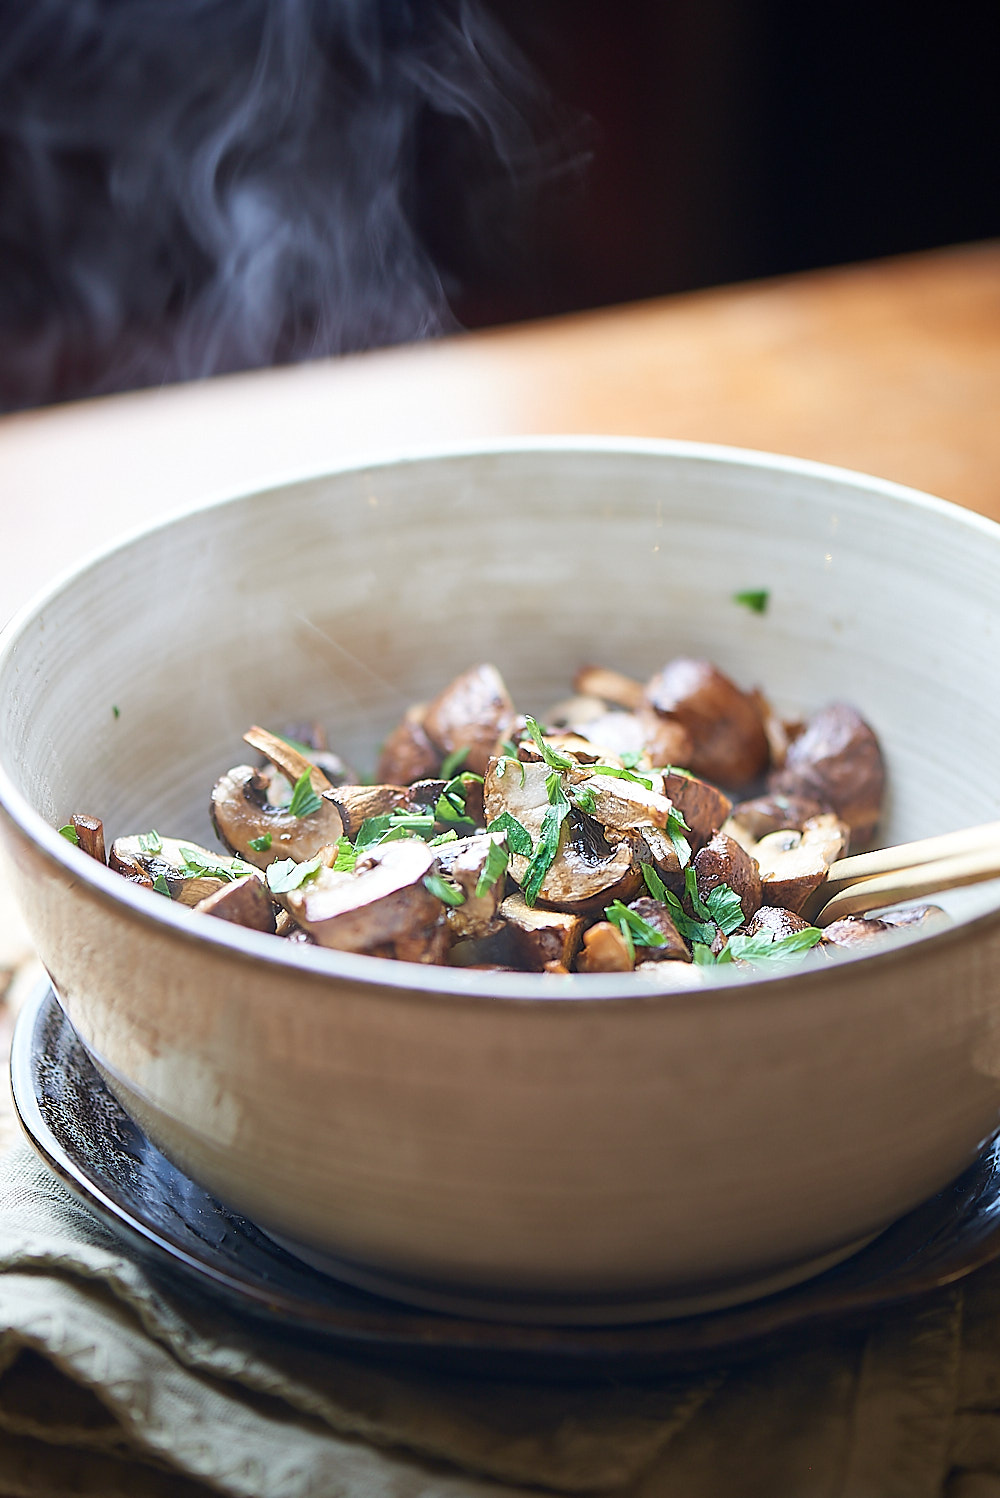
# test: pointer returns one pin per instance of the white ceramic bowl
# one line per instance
(584, 1147)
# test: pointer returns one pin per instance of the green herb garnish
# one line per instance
(450, 807)
(345, 858)
(502, 763)
(262, 843)
(161, 887)
(619, 774)
(764, 947)
(445, 891)
(451, 836)
(452, 762)
(548, 840)
(654, 883)
(724, 908)
(691, 890)
(518, 836)
(584, 798)
(676, 827)
(494, 868)
(702, 954)
(151, 842)
(116, 712)
(392, 827)
(70, 833)
(754, 599)
(196, 867)
(552, 757)
(630, 758)
(286, 874)
(304, 799)
(636, 931)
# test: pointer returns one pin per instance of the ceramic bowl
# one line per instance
(574, 1148)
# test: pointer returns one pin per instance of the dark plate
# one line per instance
(82, 1133)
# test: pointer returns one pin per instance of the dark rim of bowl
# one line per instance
(455, 983)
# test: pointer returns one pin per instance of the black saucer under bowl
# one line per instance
(85, 1137)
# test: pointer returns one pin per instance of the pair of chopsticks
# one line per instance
(888, 876)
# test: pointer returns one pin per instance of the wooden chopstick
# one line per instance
(927, 850)
(971, 866)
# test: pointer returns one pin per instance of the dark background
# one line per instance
(742, 138)
(620, 151)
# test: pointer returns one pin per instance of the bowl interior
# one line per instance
(348, 597)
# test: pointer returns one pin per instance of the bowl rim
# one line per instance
(451, 984)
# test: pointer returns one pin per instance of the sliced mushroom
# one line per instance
(622, 805)
(751, 820)
(916, 915)
(723, 861)
(590, 868)
(464, 863)
(474, 712)
(242, 814)
(656, 914)
(89, 835)
(855, 931)
(541, 937)
(776, 922)
(704, 807)
(383, 904)
(837, 760)
(794, 864)
(147, 857)
(605, 950)
(245, 903)
(408, 754)
(615, 732)
(609, 686)
(356, 803)
(312, 736)
(727, 735)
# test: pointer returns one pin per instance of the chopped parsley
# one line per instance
(765, 948)
(630, 758)
(304, 799)
(161, 887)
(70, 833)
(548, 839)
(691, 890)
(504, 761)
(305, 749)
(725, 909)
(619, 774)
(392, 827)
(552, 757)
(450, 807)
(286, 874)
(151, 842)
(262, 843)
(518, 836)
(676, 828)
(494, 868)
(196, 867)
(584, 798)
(636, 931)
(345, 858)
(451, 836)
(449, 893)
(116, 711)
(453, 761)
(754, 599)
(654, 883)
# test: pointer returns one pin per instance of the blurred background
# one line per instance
(194, 186)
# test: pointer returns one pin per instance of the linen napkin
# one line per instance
(114, 1381)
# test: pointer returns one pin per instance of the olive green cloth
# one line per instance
(112, 1385)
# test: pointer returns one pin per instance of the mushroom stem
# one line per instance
(289, 761)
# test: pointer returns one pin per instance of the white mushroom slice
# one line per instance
(794, 864)
(242, 814)
(356, 803)
(464, 862)
(589, 869)
(625, 804)
(147, 857)
(384, 901)
(540, 937)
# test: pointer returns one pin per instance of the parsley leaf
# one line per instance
(552, 757)
(304, 799)
(494, 868)
(724, 908)
(654, 883)
(585, 798)
(445, 891)
(548, 840)
(503, 761)
(518, 836)
(619, 774)
(196, 867)
(451, 764)
(691, 930)
(676, 827)
(161, 887)
(764, 947)
(630, 758)
(151, 842)
(393, 826)
(630, 922)
(754, 599)
(691, 890)
(286, 874)
(345, 858)
(702, 954)
(70, 833)
(451, 836)
(262, 843)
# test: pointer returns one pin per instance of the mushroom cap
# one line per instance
(723, 861)
(794, 864)
(241, 812)
(172, 861)
(728, 743)
(385, 900)
(473, 712)
(837, 760)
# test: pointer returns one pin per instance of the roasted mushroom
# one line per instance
(245, 902)
(185, 871)
(541, 937)
(384, 904)
(723, 861)
(728, 743)
(793, 865)
(836, 760)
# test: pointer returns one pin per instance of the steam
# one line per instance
(194, 186)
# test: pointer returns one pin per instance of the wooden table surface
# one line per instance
(891, 367)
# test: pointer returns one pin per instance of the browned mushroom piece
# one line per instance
(245, 903)
(728, 743)
(474, 712)
(916, 916)
(837, 760)
(189, 871)
(605, 950)
(356, 803)
(313, 741)
(855, 931)
(540, 937)
(749, 821)
(723, 861)
(704, 807)
(463, 862)
(656, 914)
(621, 805)
(609, 686)
(242, 814)
(794, 864)
(383, 908)
(592, 865)
(89, 835)
(776, 922)
(408, 754)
